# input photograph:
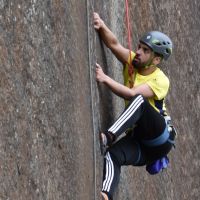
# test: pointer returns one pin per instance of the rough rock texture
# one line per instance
(51, 107)
(45, 121)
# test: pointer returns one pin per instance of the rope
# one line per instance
(129, 41)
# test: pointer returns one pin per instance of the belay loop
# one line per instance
(130, 66)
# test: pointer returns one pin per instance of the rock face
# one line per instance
(51, 108)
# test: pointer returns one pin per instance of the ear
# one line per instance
(157, 60)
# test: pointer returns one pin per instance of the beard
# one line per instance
(139, 65)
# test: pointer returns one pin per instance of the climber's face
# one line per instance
(144, 56)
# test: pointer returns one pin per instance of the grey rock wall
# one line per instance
(46, 135)
(51, 108)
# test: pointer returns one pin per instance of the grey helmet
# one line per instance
(158, 42)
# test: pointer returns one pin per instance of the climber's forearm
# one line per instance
(113, 44)
(119, 89)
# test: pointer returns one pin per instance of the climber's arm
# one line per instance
(120, 89)
(110, 39)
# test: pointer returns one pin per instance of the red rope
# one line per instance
(130, 67)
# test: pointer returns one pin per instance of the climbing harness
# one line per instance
(129, 41)
(164, 137)
(168, 135)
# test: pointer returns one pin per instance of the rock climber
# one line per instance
(148, 137)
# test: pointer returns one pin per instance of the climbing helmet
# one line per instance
(158, 42)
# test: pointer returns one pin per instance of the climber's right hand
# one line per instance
(100, 75)
(98, 22)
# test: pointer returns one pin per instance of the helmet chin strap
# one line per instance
(149, 64)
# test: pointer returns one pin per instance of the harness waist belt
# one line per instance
(164, 137)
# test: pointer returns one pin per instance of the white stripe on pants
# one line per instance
(109, 173)
(126, 115)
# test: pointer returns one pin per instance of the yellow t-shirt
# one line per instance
(157, 81)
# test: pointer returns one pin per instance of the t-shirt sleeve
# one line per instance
(160, 86)
(130, 58)
(126, 66)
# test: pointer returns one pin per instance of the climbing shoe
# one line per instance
(103, 143)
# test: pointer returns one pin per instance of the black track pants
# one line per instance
(129, 150)
(140, 112)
